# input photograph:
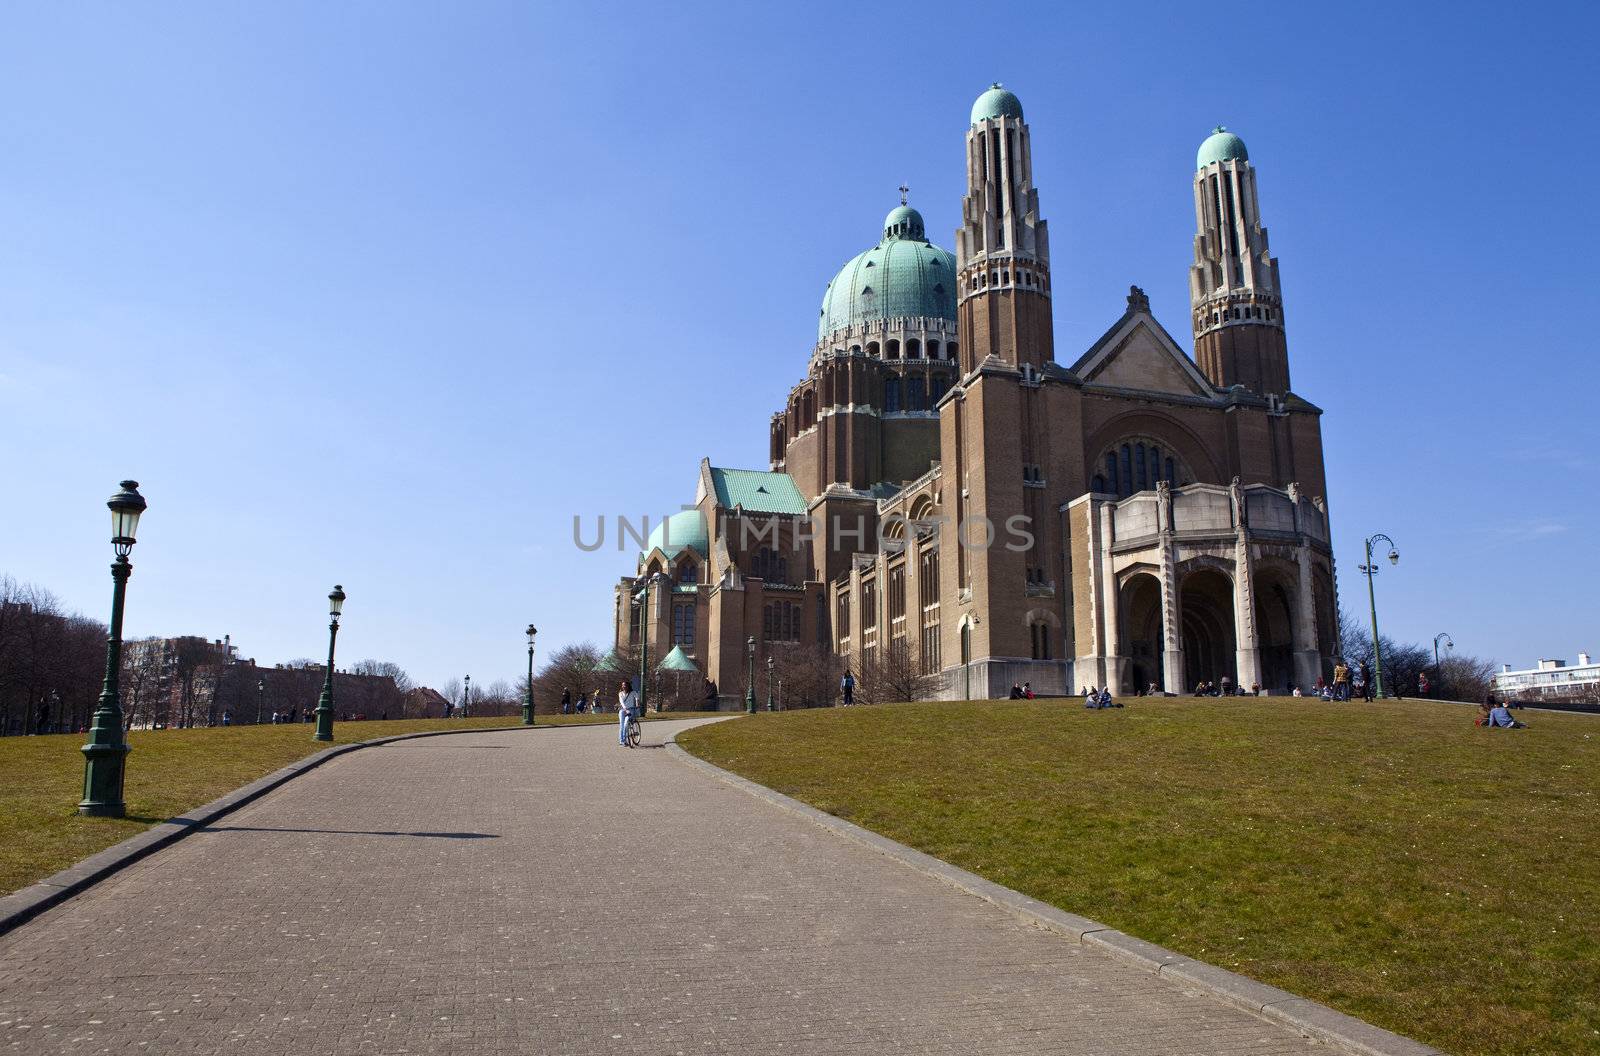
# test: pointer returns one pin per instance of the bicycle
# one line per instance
(633, 730)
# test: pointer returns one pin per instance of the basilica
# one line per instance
(947, 496)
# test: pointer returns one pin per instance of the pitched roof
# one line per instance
(757, 491)
(677, 660)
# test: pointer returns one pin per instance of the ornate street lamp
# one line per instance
(261, 692)
(750, 676)
(1438, 672)
(106, 753)
(466, 695)
(325, 702)
(527, 704)
(769, 681)
(1372, 602)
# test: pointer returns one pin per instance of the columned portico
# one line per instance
(1201, 545)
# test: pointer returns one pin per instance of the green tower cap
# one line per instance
(1221, 145)
(996, 102)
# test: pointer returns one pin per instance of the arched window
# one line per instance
(916, 397)
(933, 350)
(689, 573)
(1111, 474)
(1138, 467)
(951, 348)
(891, 394)
(893, 349)
(1099, 486)
(941, 384)
(1125, 465)
(913, 349)
(872, 348)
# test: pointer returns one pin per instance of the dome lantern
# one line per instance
(1221, 145)
(996, 102)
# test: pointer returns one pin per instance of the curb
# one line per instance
(1313, 1020)
(21, 906)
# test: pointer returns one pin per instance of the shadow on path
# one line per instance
(356, 832)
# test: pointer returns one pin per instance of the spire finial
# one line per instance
(904, 193)
(1219, 128)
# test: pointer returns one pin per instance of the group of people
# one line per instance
(1494, 714)
(1095, 699)
(582, 706)
(1024, 691)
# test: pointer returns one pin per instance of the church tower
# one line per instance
(1003, 247)
(1233, 286)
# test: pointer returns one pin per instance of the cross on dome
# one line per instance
(904, 192)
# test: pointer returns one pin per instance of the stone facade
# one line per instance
(1139, 518)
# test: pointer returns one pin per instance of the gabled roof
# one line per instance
(757, 491)
(1138, 353)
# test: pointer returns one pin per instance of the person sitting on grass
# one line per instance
(1091, 698)
(1482, 718)
(1499, 716)
(1105, 701)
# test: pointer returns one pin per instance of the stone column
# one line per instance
(1171, 625)
(1116, 664)
(1307, 654)
(1247, 653)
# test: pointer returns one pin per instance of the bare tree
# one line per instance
(808, 675)
(891, 674)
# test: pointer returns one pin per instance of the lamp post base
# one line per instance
(527, 714)
(106, 766)
(324, 721)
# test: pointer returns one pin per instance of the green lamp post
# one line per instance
(1372, 602)
(261, 695)
(527, 703)
(1438, 672)
(750, 676)
(769, 682)
(466, 695)
(106, 753)
(325, 702)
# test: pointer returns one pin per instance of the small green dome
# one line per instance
(1221, 145)
(904, 222)
(904, 275)
(684, 529)
(996, 102)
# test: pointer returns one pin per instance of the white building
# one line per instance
(1553, 679)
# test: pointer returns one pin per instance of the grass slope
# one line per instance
(1390, 860)
(169, 772)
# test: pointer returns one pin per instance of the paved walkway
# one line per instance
(549, 892)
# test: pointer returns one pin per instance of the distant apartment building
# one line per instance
(194, 681)
(1553, 680)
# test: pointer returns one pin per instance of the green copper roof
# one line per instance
(684, 529)
(1221, 145)
(996, 102)
(903, 275)
(677, 660)
(756, 491)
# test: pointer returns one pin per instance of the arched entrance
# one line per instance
(1140, 633)
(1275, 609)
(1205, 601)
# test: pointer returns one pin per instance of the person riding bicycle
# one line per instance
(627, 708)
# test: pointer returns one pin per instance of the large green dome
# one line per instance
(684, 529)
(996, 102)
(903, 275)
(1221, 145)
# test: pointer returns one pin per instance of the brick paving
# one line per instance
(549, 892)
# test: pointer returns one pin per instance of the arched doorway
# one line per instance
(1275, 608)
(1205, 600)
(1140, 633)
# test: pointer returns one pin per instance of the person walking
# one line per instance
(1423, 685)
(1366, 682)
(1341, 680)
(566, 702)
(627, 704)
(847, 685)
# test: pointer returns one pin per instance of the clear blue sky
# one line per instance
(385, 293)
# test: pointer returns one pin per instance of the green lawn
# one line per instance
(169, 772)
(1390, 860)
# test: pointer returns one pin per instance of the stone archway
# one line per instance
(1275, 626)
(1139, 636)
(1205, 606)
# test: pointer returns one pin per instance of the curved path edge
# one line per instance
(1310, 1018)
(21, 906)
